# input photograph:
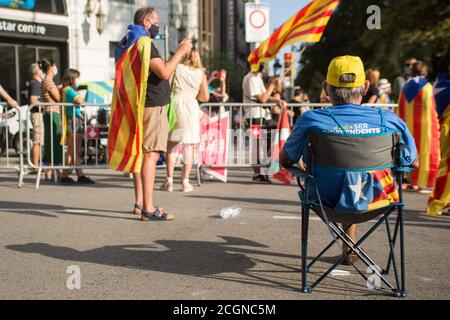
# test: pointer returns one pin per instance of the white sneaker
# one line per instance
(187, 187)
(167, 186)
(207, 177)
(425, 191)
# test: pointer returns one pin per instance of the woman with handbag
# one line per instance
(190, 85)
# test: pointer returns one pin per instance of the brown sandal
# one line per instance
(139, 208)
(158, 215)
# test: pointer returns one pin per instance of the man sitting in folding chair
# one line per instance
(355, 157)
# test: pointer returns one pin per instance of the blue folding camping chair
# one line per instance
(353, 153)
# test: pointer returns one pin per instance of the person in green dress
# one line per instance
(53, 150)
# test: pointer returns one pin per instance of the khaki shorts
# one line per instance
(37, 121)
(156, 130)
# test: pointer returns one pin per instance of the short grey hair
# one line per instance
(142, 13)
(345, 95)
(33, 68)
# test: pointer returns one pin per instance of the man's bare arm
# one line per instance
(10, 101)
(284, 160)
(34, 100)
(164, 70)
(266, 97)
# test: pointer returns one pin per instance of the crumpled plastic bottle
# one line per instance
(230, 213)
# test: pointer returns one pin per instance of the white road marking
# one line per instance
(426, 279)
(337, 272)
(407, 222)
(295, 218)
(75, 211)
(287, 218)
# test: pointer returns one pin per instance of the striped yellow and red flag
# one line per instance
(417, 107)
(307, 25)
(385, 190)
(440, 198)
(281, 136)
(126, 123)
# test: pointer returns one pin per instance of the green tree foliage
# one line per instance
(408, 28)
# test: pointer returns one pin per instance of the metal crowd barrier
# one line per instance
(244, 149)
(94, 128)
(11, 138)
(241, 148)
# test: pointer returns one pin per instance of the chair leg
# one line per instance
(402, 291)
(325, 250)
(305, 226)
(392, 254)
(394, 241)
(354, 248)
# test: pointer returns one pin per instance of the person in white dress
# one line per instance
(190, 85)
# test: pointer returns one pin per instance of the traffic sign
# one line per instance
(257, 23)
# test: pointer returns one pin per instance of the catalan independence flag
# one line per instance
(126, 123)
(440, 198)
(307, 25)
(367, 191)
(417, 107)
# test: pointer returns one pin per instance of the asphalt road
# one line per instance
(198, 256)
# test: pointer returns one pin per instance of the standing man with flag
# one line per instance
(440, 200)
(138, 126)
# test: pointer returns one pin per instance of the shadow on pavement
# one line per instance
(46, 210)
(195, 258)
(224, 261)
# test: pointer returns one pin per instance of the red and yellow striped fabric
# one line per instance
(421, 118)
(440, 198)
(386, 192)
(283, 132)
(307, 25)
(126, 124)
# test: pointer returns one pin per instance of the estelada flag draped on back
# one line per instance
(126, 123)
(417, 107)
(307, 25)
(440, 198)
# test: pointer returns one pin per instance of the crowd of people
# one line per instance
(53, 126)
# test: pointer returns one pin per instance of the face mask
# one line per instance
(153, 31)
(77, 84)
(55, 71)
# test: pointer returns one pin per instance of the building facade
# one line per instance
(66, 31)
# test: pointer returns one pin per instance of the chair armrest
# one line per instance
(404, 169)
(298, 172)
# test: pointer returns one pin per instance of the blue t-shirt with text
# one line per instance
(354, 120)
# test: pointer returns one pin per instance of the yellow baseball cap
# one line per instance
(346, 72)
